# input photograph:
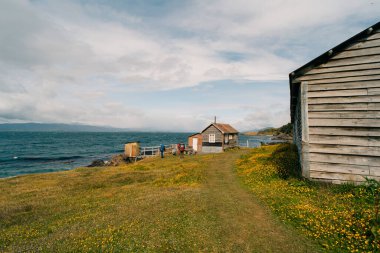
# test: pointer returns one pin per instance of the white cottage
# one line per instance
(335, 109)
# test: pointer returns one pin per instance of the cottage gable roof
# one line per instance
(223, 128)
(323, 58)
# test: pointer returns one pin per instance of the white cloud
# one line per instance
(262, 116)
(64, 61)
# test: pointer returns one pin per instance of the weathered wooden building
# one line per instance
(335, 109)
(195, 142)
(217, 137)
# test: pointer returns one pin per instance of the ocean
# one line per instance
(40, 152)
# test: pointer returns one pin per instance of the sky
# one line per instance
(164, 65)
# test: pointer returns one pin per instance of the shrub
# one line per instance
(286, 129)
(372, 188)
(286, 161)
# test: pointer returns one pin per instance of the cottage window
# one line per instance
(211, 138)
(230, 137)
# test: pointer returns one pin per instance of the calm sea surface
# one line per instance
(38, 152)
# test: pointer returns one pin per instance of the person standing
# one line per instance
(181, 150)
(162, 150)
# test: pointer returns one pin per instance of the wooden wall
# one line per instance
(212, 130)
(343, 98)
(190, 141)
(233, 142)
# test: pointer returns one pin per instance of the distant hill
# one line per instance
(52, 127)
(285, 129)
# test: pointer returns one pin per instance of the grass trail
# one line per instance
(157, 205)
(246, 226)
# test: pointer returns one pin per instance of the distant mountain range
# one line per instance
(52, 127)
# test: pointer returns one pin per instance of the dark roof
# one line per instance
(224, 128)
(194, 134)
(323, 58)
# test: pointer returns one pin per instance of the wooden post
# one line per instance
(305, 131)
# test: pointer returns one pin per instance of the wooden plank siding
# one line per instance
(346, 86)
(374, 50)
(345, 122)
(344, 99)
(360, 91)
(340, 74)
(344, 149)
(212, 130)
(345, 131)
(234, 142)
(369, 141)
(357, 67)
(370, 42)
(344, 107)
(351, 61)
(343, 102)
(342, 79)
(345, 115)
(338, 93)
(344, 159)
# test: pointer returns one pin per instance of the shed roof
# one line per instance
(194, 134)
(224, 128)
(323, 58)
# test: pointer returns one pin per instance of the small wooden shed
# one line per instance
(335, 109)
(195, 142)
(217, 137)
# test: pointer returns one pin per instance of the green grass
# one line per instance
(141, 207)
(339, 217)
(195, 204)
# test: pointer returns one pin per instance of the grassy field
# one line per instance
(340, 217)
(157, 205)
(130, 207)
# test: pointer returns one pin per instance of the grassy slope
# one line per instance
(339, 217)
(132, 207)
(195, 204)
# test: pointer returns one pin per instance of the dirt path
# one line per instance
(244, 224)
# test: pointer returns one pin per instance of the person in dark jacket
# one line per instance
(181, 150)
(162, 150)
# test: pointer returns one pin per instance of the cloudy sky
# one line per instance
(164, 65)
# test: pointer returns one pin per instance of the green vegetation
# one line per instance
(156, 205)
(149, 206)
(190, 205)
(286, 161)
(285, 129)
(267, 131)
(343, 218)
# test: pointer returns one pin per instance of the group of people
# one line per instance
(180, 150)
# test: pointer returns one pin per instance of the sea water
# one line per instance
(39, 152)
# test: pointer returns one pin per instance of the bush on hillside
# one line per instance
(286, 161)
(286, 129)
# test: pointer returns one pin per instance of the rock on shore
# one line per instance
(115, 161)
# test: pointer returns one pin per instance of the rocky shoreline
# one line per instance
(283, 137)
(116, 160)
